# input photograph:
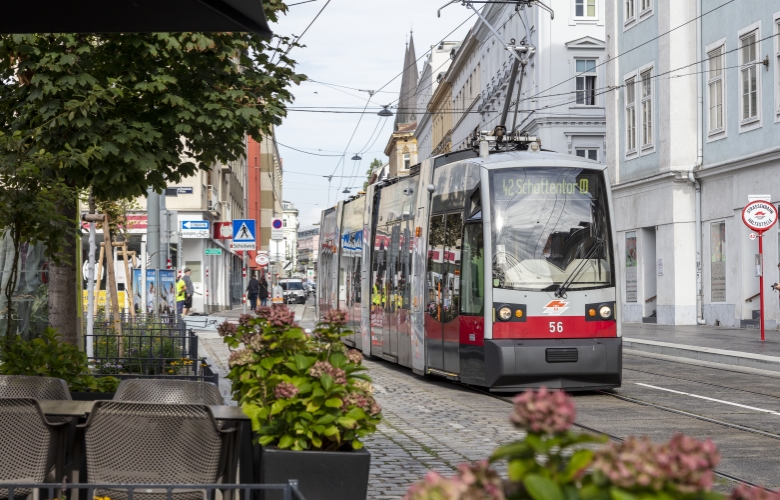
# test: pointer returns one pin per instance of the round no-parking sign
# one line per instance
(759, 215)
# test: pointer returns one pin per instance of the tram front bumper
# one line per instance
(568, 364)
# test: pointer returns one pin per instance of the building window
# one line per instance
(715, 88)
(647, 108)
(630, 116)
(586, 82)
(645, 5)
(589, 153)
(748, 55)
(629, 9)
(407, 161)
(585, 8)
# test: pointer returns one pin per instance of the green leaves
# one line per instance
(542, 488)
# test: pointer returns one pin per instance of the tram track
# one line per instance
(612, 437)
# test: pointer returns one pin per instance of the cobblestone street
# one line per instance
(428, 424)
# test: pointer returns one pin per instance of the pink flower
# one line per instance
(362, 401)
(241, 357)
(227, 329)
(471, 482)
(543, 412)
(285, 390)
(745, 492)
(320, 368)
(335, 317)
(244, 319)
(354, 356)
(281, 316)
(263, 312)
(436, 486)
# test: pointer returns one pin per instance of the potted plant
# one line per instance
(309, 399)
(553, 462)
(47, 356)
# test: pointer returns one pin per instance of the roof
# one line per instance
(111, 16)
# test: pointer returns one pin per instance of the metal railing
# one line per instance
(19, 491)
(151, 345)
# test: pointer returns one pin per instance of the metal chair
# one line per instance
(169, 391)
(22, 386)
(31, 445)
(137, 443)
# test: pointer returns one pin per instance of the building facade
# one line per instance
(429, 123)
(308, 251)
(401, 147)
(559, 100)
(695, 106)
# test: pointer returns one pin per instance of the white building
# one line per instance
(435, 67)
(559, 101)
(284, 253)
(695, 104)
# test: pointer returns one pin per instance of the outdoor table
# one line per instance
(82, 409)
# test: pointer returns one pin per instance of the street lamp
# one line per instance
(356, 157)
(385, 112)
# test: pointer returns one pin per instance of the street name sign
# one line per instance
(760, 216)
(244, 234)
(195, 229)
(213, 251)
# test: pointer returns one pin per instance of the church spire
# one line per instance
(407, 101)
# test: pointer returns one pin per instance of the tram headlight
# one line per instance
(505, 313)
(605, 312)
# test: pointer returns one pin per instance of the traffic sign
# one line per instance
(244, 231)
(194, 225)
(752, 236)
(261, 259)
(277, 233)
(213, 251)
(760, 216)
(223, 230)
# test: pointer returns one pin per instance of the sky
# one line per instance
(358, 44)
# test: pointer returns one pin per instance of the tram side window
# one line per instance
(472, 271)
(452, 258)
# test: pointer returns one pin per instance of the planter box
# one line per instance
(92, 396)
(321, 475)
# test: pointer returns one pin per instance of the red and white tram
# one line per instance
(495, 269)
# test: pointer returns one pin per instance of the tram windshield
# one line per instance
(550, 225)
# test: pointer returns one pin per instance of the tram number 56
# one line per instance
(556, 327)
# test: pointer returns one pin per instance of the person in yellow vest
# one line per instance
(181, 295)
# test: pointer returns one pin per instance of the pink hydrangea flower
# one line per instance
(355, 356)
(322, 367)
(244, 319)
(241, 357)
(285, 390)
(543, 411)
(263, 312)
(471, 482)
(281, 316)
(335, 317)
(227, 329)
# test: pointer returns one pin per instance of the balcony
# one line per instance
(212, 200)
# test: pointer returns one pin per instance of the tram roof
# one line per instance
(504, 159)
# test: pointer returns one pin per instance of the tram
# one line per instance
(494, 266)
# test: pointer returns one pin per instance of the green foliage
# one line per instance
(375, 164)
(142, 109)
(47, 356)
(301, 392)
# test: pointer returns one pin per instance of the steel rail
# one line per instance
(718, 473)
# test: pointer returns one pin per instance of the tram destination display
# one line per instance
(512, 185)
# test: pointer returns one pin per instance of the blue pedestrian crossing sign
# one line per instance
(244, 231)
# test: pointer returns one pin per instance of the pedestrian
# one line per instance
(253, 290)
(181, 295)
(189, 291)
(263, 295)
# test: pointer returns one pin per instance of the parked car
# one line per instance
(293, 290)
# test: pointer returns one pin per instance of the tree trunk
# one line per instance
(63, 303)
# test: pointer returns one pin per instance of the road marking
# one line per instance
(763, 410)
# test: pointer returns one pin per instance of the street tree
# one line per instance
(375, 164)
(161, 106)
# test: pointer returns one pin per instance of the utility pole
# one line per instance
(153, 239)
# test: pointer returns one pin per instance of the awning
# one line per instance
(139, 16)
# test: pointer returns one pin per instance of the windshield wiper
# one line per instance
(561, 292)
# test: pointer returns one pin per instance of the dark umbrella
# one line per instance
(138, 16)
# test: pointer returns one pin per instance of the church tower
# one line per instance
(402, 146)
(407, 100)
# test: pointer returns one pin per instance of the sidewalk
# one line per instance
(711, 344)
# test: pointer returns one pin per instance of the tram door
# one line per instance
(443, 300)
